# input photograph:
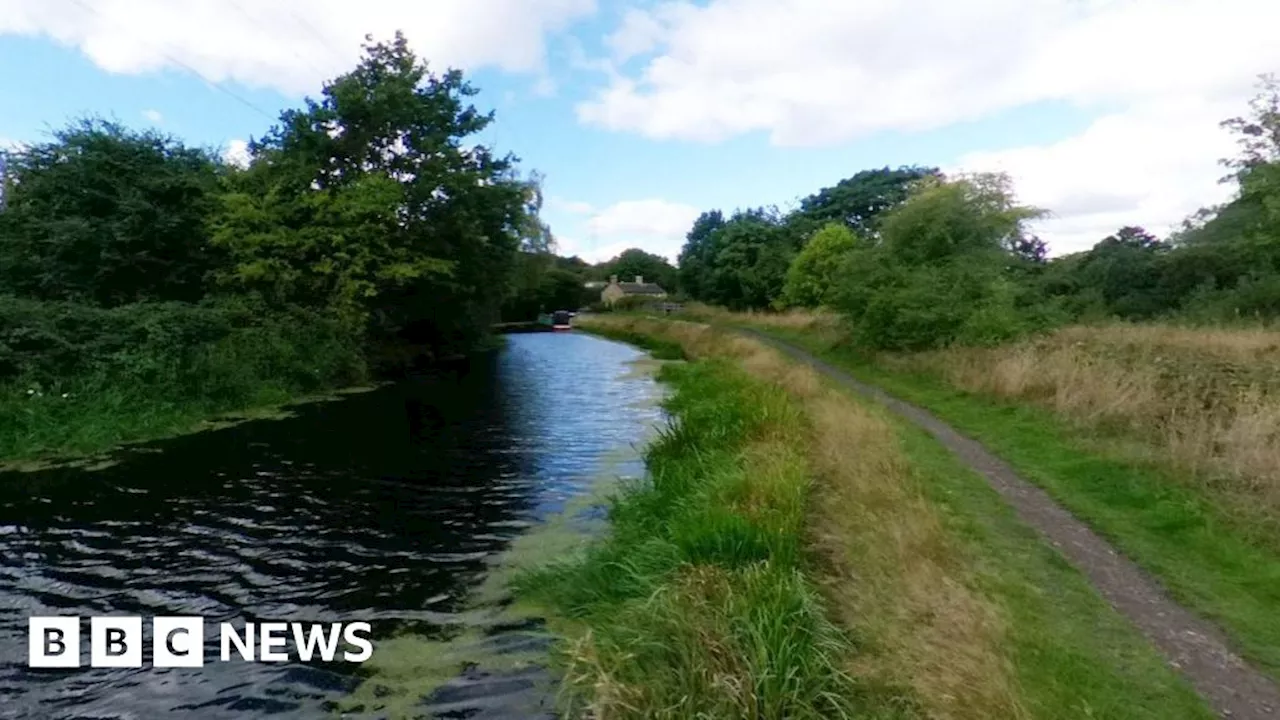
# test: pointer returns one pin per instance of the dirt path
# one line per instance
(1192, 645)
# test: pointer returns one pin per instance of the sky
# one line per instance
(641, 114)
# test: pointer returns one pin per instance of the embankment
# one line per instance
(798, 553)
(77, 380)
(1157, 437)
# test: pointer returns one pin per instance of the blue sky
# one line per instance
(642, 114)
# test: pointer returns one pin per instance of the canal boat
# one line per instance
(560, 321)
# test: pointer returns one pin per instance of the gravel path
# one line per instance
(1193, 646)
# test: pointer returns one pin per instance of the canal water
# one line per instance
(402, 507)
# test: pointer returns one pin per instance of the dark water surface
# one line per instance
(388, 507)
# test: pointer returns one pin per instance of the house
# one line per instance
(615, 291)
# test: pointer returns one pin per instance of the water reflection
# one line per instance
(386, 507)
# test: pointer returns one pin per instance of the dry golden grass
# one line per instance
(889, 572)
(1207, 401)
(791, 319)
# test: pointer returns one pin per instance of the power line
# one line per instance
(253, 21)
(315, 34)
(179, 63)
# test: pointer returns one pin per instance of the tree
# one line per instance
(752, 252)
(106, 215)
(698, 255)
(941, 272)
(814, 274)
(634, 261)
(945, 219)
(858, 201)
(1259, 132)
(369, 201)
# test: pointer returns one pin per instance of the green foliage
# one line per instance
(944, 220)
(740, 262)
(941, 260)
(696, 257)
(367, 202)
(813, 275)
(695, 601)
(942, 270)
(743, 261)
(541, 285)
(657, 347)
(858, 201)
(105, 215)
(1217, 268)
(634, 261)
(367, 225)
(74, 378)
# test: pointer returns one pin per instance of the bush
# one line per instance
(76, 378)
(1254, 297)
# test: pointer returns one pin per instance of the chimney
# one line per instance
(639, 280)
(613, 279)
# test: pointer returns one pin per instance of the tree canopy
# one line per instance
(915, 259)
(372, 205)
(106, 215)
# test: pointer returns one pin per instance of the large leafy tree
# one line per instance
(940, 272)
(697, 257)
(634, 262)
(815, 272)
(371, 200)
(857, 201)
(947, 219)
(752, 251)
(109, 216)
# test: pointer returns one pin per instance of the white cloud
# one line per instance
(573, 207)
(292, 45)
(153, 116)
(656, 226)
(1152, 165)
(237, 153)
(820, 71)
(1160, 74)
(545, 87)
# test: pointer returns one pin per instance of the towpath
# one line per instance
(1194, 646)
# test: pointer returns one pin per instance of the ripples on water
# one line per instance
(383, 507)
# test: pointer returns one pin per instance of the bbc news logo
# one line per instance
(117, 642)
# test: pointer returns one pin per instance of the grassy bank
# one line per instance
(910, 589)
(1092, 416)
(695, 605)
(83, 380)
(659, 348)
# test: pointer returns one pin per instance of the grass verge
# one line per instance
(947, 606)
(1171, 527)
(695, 604)
(659, 348)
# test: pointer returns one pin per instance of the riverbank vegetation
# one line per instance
(145, 283)
(1126, 426)
(1136, 381)
(800, 554)
(917, 260)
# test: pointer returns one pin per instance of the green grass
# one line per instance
(157, 392)
(1170, 529)
(695, 605)
(1072, 655)
(1068, 653)
(660, 349)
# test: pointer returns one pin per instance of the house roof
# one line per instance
(630, 288)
